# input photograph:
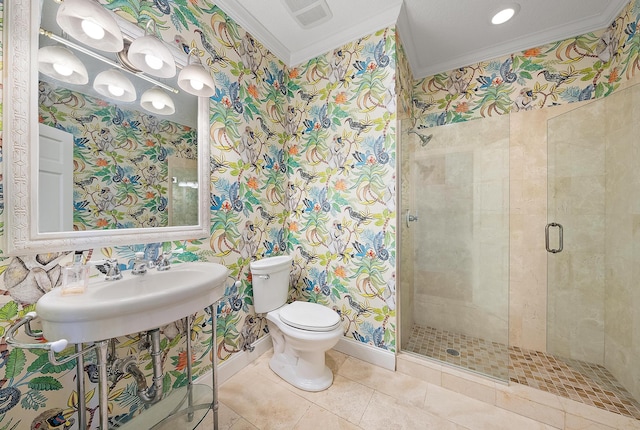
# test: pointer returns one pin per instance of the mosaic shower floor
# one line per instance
(584, 382)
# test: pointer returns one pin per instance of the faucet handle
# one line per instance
(109, 267)
(113, 270)
(163, 262)
(140, 265)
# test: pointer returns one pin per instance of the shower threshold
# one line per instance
(587, 383)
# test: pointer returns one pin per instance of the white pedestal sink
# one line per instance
(132, 304)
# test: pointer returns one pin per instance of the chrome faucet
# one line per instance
(109, 267)
(140, 265)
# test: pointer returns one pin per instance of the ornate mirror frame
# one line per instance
(21, 21)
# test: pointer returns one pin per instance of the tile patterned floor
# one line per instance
(362, 397)
(489, 358)
(580, 381)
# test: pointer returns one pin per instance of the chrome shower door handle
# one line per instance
(410, 218)
(560, 239)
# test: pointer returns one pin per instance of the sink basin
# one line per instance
(132, 304)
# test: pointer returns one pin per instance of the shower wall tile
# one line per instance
(458, 316)
(406, 243)
(462, 194)
(576, 278)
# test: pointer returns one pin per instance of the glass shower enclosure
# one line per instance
(454, 244)
(593, 295)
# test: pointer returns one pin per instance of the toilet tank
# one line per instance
(270, 278)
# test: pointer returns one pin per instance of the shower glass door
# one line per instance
(454, 247)
(593, 294)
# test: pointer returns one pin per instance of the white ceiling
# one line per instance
(438, 35)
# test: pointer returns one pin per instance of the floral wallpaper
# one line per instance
(120, 158)
(588, 66)
(341, 193)
(302, 162)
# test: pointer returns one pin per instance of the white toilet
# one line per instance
(301, 332)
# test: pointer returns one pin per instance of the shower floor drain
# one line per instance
(453, 352)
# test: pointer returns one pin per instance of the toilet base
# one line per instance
(302, 373)
(298, 355)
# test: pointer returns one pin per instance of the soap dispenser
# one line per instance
(75, 277)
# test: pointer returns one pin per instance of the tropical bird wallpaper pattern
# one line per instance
(302, 162)
(120, 158)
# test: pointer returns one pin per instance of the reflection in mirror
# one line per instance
(183, 192)
(120, 151)
(119, 159)
(120, 181)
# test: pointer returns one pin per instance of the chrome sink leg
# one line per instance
(82, 405)
(187, 322)
(103, 388)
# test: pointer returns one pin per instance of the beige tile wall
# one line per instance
(406, 245)
(460, 190)
(609, 282)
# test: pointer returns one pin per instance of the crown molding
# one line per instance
(381, 20)
(573, 29)
(291, 58)
(253, 26)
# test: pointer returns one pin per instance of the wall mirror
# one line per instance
(151, 205)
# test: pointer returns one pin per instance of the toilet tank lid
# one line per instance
(271, 263)
(309, 316)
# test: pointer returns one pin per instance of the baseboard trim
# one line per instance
(368, 353)
(240, 360)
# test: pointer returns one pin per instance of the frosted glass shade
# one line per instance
(152, 56)
(196, 80)
(114, 85)
(157, 101)
(60, 63)
(90, 23)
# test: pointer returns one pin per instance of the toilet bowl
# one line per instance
(301, 332)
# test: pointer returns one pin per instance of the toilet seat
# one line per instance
(309, 316)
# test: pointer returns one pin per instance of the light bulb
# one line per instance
(63, 70)
(196, 84)
(92, 29)
(158, 104)
(152, 61)
(115, 90)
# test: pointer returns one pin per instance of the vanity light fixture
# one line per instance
(113, 84)
(149, 54)
(157, 101)
(82, 49)
(505, 14)
(195, 79)
(90, 23)
(60, 63)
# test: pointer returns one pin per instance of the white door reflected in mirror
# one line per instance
(55, 180)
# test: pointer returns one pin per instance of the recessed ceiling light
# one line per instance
(505, 14)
